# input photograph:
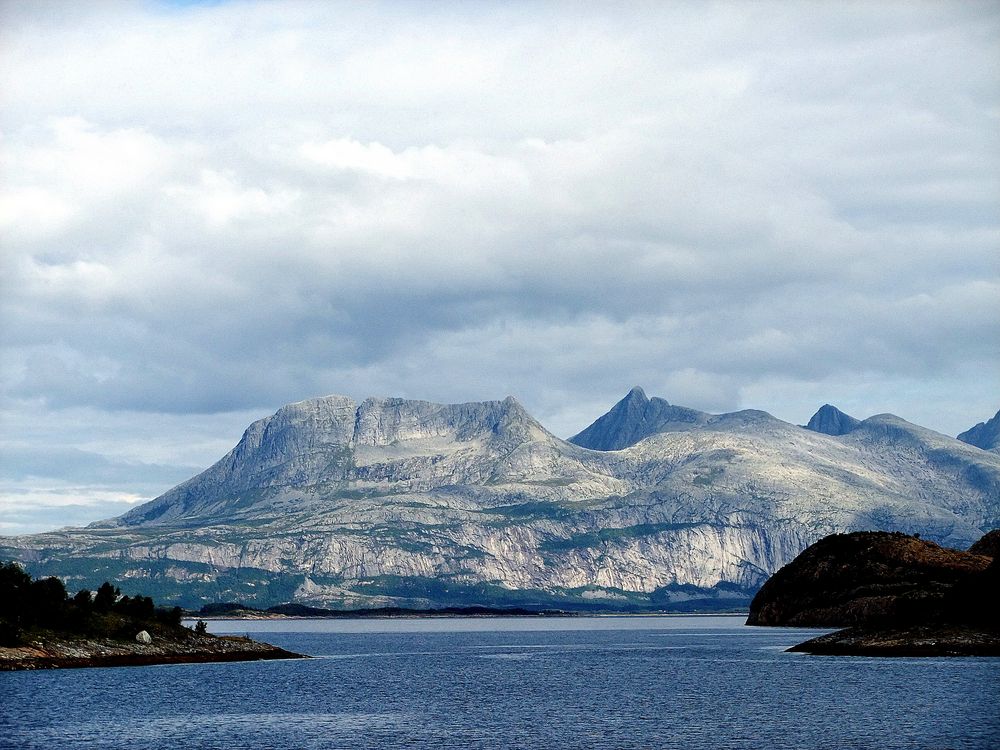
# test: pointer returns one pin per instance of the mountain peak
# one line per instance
(635, 418)
(636, 395)
(985, 435)
(830, 420)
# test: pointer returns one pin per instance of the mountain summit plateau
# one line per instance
(336, 503)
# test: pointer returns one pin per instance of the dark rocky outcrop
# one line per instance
(832, 421)
(899, 595)
(989, 545)
(861, 578)
(635, 418)
(985, 435)
(917, 640)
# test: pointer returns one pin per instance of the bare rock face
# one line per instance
(832, 421)
(143, 637)
(865, 578)
(635, 418)
(331, 502)
(985, 435)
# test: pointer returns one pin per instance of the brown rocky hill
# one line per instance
(989, 545)
(877, 579)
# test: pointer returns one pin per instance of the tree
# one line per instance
(83, 599)
(14, 584)
(201, 627)
(106, 597)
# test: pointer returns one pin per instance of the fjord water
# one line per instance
(604, 682)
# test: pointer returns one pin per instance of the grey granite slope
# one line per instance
(337, 503)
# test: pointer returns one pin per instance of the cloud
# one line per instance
(217, 209)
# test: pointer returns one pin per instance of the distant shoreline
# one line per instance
(264, 615)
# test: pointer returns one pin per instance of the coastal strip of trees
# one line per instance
(29, 605)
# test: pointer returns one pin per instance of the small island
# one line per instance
(893, 594)
(42, 627)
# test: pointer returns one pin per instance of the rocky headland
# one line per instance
(43, 627)
(895, 595)
(60, 651)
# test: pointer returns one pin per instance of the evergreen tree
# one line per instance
(106, 597)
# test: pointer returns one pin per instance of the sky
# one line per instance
(208, 210)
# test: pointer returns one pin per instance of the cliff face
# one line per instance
(387, 501)
(871, 579)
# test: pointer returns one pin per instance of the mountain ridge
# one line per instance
(335, 502)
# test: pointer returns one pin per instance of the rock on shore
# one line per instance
(918, 640)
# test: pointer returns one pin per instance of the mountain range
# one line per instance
(392, 502)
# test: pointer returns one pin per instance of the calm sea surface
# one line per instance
(622, 682)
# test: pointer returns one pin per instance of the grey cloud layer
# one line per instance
(228, 208)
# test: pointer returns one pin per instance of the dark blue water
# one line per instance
(678, 682)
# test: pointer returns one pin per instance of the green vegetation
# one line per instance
(172, 582)
(30, 605)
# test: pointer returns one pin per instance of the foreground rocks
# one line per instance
(60, 651)
(864, 578)
(919, 640)
(900, 595)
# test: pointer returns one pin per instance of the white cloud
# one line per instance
(218, 209)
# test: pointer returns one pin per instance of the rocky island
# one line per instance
(42, 628)
(894, 595)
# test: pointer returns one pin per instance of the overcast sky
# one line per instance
(210, 210)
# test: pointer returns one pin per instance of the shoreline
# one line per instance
(59, 652)
(914, 641)
(263, 616)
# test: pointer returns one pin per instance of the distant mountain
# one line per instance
(832, 421)
(635, 418)
(391, 502)
(985, 435)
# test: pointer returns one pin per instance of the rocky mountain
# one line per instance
(330, 502)
(832, 421)
(985, 435)
(635, 418)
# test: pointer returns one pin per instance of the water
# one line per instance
(631, 682)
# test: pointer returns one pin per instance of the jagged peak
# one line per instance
(829, 420)
(985, 435)
(513, 404)
(635, 418)
(636, 394)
